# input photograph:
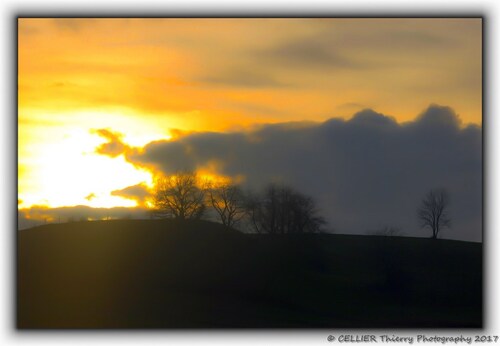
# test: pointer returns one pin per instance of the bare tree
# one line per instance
(283, 210)
(433, 212)
(254, 211)
(227, 199)
(178, 196)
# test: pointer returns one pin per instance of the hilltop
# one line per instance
(199, 274)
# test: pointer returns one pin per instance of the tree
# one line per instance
(254, 211)
(433, 212)
(281, 210)
(178, 196)
(227, 199)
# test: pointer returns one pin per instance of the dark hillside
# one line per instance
(197, 274)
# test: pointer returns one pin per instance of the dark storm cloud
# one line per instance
(365, 173)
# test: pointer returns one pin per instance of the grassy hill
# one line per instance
(198, 274)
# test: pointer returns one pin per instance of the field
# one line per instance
(198, 274)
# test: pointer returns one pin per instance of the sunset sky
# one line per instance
(96, 96)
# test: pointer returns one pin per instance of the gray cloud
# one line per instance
(365, 173)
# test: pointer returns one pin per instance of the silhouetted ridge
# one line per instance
(199, 274)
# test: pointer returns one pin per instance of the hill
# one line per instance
(198, 274)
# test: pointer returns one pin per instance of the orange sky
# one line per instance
(145, 77)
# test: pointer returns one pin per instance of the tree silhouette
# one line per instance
(178, 196)
(280, 210)
(254, 211)
(227, 199)
(433, 212)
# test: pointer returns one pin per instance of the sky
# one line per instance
(377, 110)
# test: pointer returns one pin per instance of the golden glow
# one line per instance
(152, 79)
(58, 165)
(210, 174)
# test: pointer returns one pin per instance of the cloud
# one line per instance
(308, 53)
(90, 196)
(313, 63)
(356, 47)
(137, 192)
(365, 173)
(363, 45)
(114, 146)
(315, 53)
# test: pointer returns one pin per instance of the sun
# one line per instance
(58, 165)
